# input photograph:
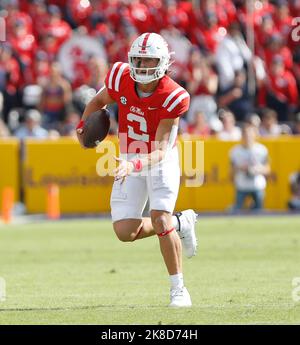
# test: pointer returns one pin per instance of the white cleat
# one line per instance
(180, 298)
(186, 231)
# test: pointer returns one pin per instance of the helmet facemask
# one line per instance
(149, 45)
(151, 73)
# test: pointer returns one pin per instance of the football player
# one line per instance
(150, 104)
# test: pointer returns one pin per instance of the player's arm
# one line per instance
(164, 141)
(263, 169)
(99, 101)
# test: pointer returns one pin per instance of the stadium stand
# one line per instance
(227, 55)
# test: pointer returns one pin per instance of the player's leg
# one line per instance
(163, 190)
(127, 206)
(170, 244)
(129, 230)
(258, 199)
(240, 197)
(184, 222)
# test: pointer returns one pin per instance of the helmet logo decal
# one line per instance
(144, 44)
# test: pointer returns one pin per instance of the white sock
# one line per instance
(175, 223)
(176, 281)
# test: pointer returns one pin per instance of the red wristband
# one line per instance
(80, 124)
(137, 165)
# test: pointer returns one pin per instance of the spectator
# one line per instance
(230, 131)
(202, 84)
(98, 69)
(39, 14)
(282, 18)
(78, 12)
(254, 120)
(236, 97)
(269, 125)
(296, 128)
(50, 46)
(24, 44)
(200, 126)
(181, 46)
(68, 127)
(275, 45)
(37, 29)
(31, 128)
(280, 90)
(294, 202)
(40, 68)
(231, 56)
(264, 33)
(15, 13)
(249, 162)
(10, 78)
(296, 69)
(4, 131)
(56, 97)
(209, 33)
(56, 26)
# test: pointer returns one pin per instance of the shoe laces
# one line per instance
(177, 292)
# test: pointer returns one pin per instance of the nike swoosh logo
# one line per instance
(149, 108)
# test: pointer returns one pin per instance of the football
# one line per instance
(96, 128)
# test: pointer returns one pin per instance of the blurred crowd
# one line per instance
(240, 63)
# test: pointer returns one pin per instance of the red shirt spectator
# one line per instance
(274, 47)
(281, 85)
(39, 15)
(210, 33)
(23, 43)
(15, 15)
(263, 33)
(41, 68)
(282, 18)
(50, 45)
(80, 12)
(176, 16)
(263, 8)
(110, 10)
(140, 16)
(294, 8)
(10, 75)
(200, 126)
(224, 10)
(56, 26)
(156, 14)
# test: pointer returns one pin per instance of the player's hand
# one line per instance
(244, 168)
(124, 169)
(79, 133)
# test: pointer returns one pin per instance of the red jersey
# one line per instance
(139, 117)
(283, 86)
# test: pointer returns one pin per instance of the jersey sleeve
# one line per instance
(113, 79)
(176, 104)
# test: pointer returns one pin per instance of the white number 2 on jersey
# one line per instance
(143, 128)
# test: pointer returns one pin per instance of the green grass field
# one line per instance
(77, 272)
